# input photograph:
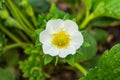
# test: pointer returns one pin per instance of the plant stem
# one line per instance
(16, 13)
(87, 19)
(23, 45)
(80, 68)
(25, 20)
(13, 37)
(24, 36)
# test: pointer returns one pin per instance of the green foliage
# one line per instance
(3, 42)
(4, 14)
(100, 35)
(22, 24)
(70, 59)
(108, 67)
(109, 64)
(11, 62)
(39, 6)
(32, 66)
(6, 75)
(103, 21)
(91, 74)
(113, 9)
(88, 4)
(85, 53)
(108, 8)
(43, 18)
(47, 59)
(2, 4)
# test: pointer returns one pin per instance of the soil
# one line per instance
(113, 38)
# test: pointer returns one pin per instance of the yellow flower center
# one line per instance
(61, 39)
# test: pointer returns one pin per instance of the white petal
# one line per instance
(45, 37)
(70, 26)
(64, 52)
(54, 25)
(50, 49)
(77, 39)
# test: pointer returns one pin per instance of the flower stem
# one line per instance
(19, 17)
(10, 34)
(86, 21)
(80, 68)
(23, 45)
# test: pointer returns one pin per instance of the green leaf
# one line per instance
(6, 75)
(108, 67)
(11, 57)
(47, 59)
(70, 60)
(110, 8)
(86, 44)
(91, 74)
(100, 35)
(87, 52)
(109, 64)
(103, 21)
(99, 9)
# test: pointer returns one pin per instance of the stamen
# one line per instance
(61, 39)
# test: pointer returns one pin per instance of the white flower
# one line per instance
(61, 38)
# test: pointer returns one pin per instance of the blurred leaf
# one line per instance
(85, 53)
(11, 57)
(54, 10)
(70, 60)
(37, 32)
(99, 9)
(100, 35)
(103, 21)
(2, 4)
(4, 14)
(39, 5)
(6, 75)
(47, 59)
(86, 44)
(3, 42)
